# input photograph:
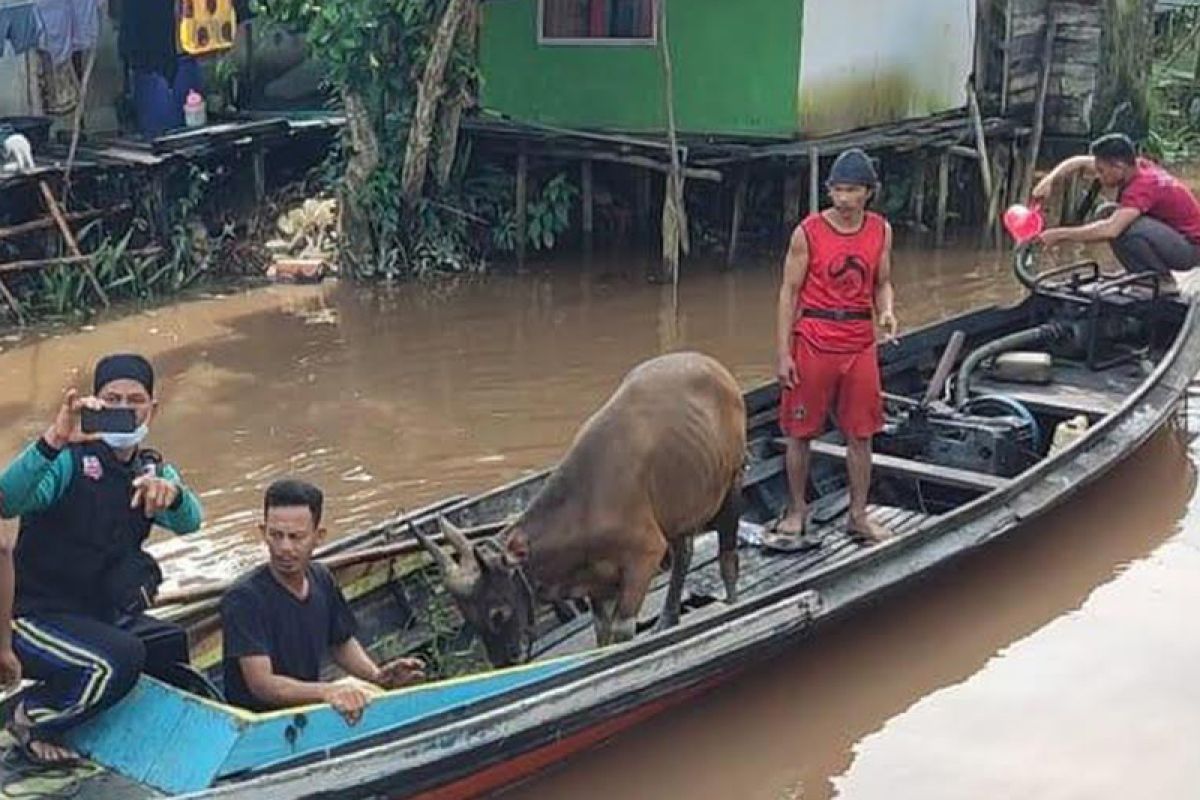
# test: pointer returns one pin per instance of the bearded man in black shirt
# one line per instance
(287, 617)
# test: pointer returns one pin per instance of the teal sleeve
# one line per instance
(186, 515)
(35, 480)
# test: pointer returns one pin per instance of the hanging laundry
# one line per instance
(20, 27)
(68, 26)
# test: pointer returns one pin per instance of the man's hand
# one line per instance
(67, 427)
(154, 495)
(1053, 236)
(18, 149)
(349, 697)
(401, 672)
(787, 373)
(887, 321)
(10, 669)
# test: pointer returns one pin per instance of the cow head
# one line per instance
(490, 589)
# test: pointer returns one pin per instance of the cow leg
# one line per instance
(602, 619)
(635, 582)
(681, 560)
(726, 523)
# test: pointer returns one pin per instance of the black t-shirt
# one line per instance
(262, 618)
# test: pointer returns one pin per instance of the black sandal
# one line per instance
(782, 542)
(23, 745)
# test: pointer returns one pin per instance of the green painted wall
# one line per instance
(736, 64)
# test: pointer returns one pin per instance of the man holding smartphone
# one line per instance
(87, 494)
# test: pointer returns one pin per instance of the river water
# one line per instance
(1058, 664)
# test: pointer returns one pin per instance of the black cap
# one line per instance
(853, 166)
(120, 366)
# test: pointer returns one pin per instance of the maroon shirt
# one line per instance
(1156, 193)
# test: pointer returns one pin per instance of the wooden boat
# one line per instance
(954, 470)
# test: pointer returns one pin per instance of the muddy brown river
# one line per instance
(1058, 664)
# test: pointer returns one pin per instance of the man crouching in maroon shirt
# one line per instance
(1155, 224)
(836, 285)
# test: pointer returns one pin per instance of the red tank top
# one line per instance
(842, 268)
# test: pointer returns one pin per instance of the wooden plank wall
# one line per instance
(1075, 74)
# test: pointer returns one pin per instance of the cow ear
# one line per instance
(516, 548)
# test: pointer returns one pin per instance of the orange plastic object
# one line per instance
(206, 26)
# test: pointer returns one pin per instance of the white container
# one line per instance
(195, 115)
(1067, 431)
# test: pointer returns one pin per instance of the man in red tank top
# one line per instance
(836, 285)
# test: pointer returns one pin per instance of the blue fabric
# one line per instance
(20, 27)
(68, 26)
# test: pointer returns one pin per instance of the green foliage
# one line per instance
(490, 196)
(377, 49)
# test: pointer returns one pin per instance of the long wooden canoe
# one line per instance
(951, 475)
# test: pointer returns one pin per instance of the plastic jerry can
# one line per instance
(1067, 431)
(194, 112)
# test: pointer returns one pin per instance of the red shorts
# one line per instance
(845, 383)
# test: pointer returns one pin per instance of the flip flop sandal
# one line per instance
(23, 744)
(774, 540)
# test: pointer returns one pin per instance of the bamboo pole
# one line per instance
(814, 181)
(674, 236)
(69, 237)
(985, 162)
(77, 124)
(12, 303)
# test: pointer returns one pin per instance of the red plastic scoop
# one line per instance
(1024, 222)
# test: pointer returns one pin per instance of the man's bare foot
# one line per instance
(868, 531)
(791, 524)
(38, 751)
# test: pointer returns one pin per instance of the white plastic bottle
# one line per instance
(1067, 432)
(194, 112)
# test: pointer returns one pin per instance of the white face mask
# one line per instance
(125, 441)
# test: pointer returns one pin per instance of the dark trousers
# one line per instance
(83, 666)
(1150, 245)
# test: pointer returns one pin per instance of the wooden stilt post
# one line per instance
(814, 180)
(735, 222)
(990, 204)
(943, 197)
(918, 195)
(791, 200)
(522, 207)
(644, 189)
(258, 162)
(589, 202)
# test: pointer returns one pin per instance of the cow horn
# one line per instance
(459, 578)
(455, 536)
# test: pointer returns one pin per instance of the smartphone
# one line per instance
(108, 420)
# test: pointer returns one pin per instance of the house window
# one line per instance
(597, 21)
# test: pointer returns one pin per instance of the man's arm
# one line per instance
(355, 661)
(1103, 230)
(35, 480)
(795, 269)
(348, 697)
(885, 295)
(1064, 169)
(184, 515)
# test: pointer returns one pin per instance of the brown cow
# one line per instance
(659, 462)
